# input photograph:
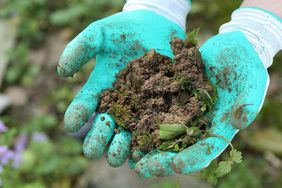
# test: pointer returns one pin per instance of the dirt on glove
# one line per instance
(164, 102)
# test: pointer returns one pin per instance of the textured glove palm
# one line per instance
(234, 67)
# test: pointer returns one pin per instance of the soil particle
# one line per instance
(102, 118)
(117, 131)
(154, 90)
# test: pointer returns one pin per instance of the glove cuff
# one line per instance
(263, 30)
(174, 10)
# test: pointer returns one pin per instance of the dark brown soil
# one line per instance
(154, 90)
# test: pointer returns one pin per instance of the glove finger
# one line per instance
(119, 148)
(98, 137)
(83, 105)
(132, 163)
(80, 50)
(141, 166)
(160, 164)
(135, 157)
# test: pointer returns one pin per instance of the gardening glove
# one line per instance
(115, 41)
(236, 62)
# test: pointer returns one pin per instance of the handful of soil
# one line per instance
(163, 102)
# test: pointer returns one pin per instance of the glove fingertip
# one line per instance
(63, 72)
(98, 137)
(78, 113)
(73, 121)
(142, 168)
(93, 150)
(177, 165)
(137, 155)
(119, 148)
(160, 164)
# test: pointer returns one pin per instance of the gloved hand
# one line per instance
(235, 61)
(115, 41)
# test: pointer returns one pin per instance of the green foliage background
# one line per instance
(57, 161)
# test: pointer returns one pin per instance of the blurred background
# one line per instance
(35, 149)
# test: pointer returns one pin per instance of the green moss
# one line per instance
(120, 114)
(123, 113)
(144, 140)
(185, 82)
(191, 39)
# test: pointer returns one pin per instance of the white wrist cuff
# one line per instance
(262, 29)
(174, 10)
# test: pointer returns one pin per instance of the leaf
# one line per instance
(211, 168)
(209, 173)
(204, 108)
(170, 131)
(224, 167)
(176, 148)
(212, 179)
(236, 156)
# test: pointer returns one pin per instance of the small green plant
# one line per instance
(208, 99)
(170, 131)
(174, 137)
(217, 170)
(191, 39)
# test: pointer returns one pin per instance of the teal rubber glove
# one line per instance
(115, 41)
(234, 67)
(236, 61)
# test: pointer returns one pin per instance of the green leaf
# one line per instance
(224, 167)
(209, 173)
(204, 108)
(212, 179)
(210, 169)
(170, 131)
(235, 156)
(176, 147)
